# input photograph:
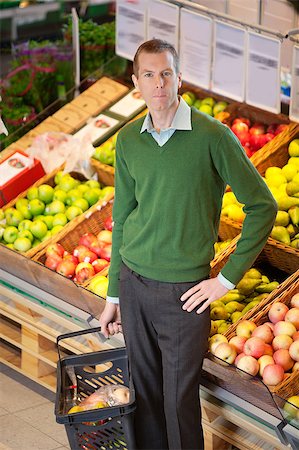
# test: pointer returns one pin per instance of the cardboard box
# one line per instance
(17, 173)
(72, 116)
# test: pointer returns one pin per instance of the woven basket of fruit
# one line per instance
(82, 252)
(269, 338)
(279, 164)
(103, 159)
(50, 205)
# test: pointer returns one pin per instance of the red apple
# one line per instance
(245, 328)
(282, 341)
(295, 336)
(108, 223)
(281, 127)
(268, 350)
(52, 261)
(104, 237)
(84, 254)
(293, 316)
(106, 252)
(55, 249)
(87, 239)
(99, 265)
(257, 128)
(295, 301)
(282, 357)
(277, 312)
(256, 141)
(84, 271)
(269, 324)
(248, 364)
(244, 138)
(283, 327)
(239, 356)
(264, 361)
(238, 342)
(241, 119)
(216, 340)
(295, 367)
(267, 137)
(264, 332)
(239, 128)
(226, 352)
(71, 258)
(272, 128)
(294, 350)
(255, 347)
(66, 268)
(273, 374)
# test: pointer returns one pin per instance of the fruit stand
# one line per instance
(40, 300)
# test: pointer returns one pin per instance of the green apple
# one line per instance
(208, 101)
(107, 190)
(38, 229)
(24, 225)
(55, 207)
(291, 407)
(73, 195)
(56, 229)
(22, 244)
(59, 219)
(45, 193)
(14, 217)
(2, 215)
(2, 228)
(36, 242)
(48, 235)
(10, 234)
(81, 203)
(21, 202)
(189, 97)
(93, 184)
(48, 221)
(32, 193)
(67, 183)
(92, 196)
(219, 107)
(26, 234)
(294, 147)
(59, 194)
(36, 207)
(83, 187)
(294, 160)
(10, 246)
(59, 176)
(72, 212)
(205, 108)
(197, 103)
(39, 217)
(25, 211)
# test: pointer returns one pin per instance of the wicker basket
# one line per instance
(275, 153)
(91, 222)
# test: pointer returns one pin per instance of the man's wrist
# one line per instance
(225, 282)
(114, 300)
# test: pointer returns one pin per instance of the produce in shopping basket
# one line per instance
(104, 397)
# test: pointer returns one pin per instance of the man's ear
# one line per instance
(135, 81)
(180, 79)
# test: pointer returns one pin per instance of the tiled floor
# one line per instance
(27, 419)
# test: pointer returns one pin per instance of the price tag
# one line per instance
(163, 21)
(130, 26)
(263, 72)
(228, 77)
(196, 48)
(294, 104)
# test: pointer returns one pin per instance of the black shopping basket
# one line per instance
(79, 376)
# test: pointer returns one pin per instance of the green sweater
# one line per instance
(168, 201)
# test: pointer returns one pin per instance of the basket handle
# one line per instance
(74, 334)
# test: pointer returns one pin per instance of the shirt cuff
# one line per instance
(225, 282)
(112, 300)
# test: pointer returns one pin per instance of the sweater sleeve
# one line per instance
(260, 208)
(124, 204)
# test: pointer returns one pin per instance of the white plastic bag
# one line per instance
(52, 149)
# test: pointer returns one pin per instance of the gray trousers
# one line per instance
(166, 346)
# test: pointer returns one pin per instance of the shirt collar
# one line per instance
(181, 120)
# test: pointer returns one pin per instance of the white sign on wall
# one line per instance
(294, 104)
(263, 72)
(196, 48)
(228, 77)
(163, 21)
(130, 26)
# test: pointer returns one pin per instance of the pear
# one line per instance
(223, 328)
(296, 177)
(281, 234)
(289, 171)
(291, 230)
(232, 296)
(276, 180)
(292, 188)
(247, 285)
(273, 172)
(265, 279)
(253, 273)
(268, 287)
(231, 307)
(294, 161)
(213, 329)
(294, 215)
(234, 212)
(260, 297)
(295, 243)
(250, 306)
(215, 304)
(219, 313)
(285, 202)
(236, 316)
(229, 198)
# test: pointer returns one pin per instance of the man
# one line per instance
(171, 172)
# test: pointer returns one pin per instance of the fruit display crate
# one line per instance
(276, 154)
(93, 222)
(244, 385)
(105, 428)
(106, 172)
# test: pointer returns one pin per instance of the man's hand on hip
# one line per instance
(110, 320)
(202, 294)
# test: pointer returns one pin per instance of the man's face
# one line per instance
(157, 80)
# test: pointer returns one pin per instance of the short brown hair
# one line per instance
(155, 46)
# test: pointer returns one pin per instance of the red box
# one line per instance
(17, 173)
